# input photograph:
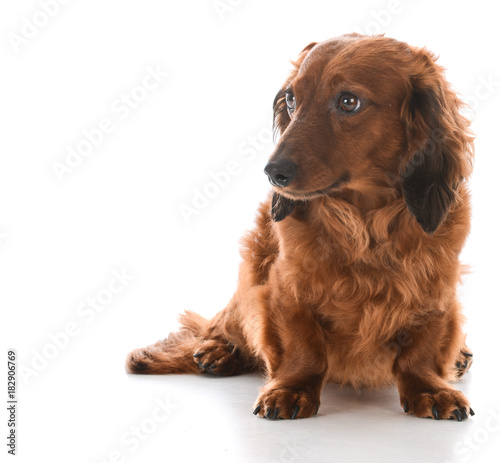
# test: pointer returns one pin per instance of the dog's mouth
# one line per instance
(307, 195)
(284, 201)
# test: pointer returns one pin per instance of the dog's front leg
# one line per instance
(294, 350)
(419, 367)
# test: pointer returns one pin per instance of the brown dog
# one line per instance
(350, 275)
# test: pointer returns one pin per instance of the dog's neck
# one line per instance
(369, 198)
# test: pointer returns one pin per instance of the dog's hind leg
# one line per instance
(201, 346)
(171, 355)
(222, 349)
(464, 361)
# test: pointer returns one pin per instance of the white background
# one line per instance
(119, 210)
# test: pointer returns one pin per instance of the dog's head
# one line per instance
(359, 111)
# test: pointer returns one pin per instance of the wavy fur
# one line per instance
(353, 283)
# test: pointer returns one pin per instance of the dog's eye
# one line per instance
(349, 103)
(290, 102)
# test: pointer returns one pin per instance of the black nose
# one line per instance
(281, 173)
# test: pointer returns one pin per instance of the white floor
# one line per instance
(95, 412)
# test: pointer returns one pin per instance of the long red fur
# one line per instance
(356, 285)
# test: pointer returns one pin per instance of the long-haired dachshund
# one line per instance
(350, 274)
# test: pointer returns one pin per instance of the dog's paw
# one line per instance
(463, 362)
(286, 403)
(445, 404)
(218, 358)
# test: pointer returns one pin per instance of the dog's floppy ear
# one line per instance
(281, 118)
(281, 207)
(439, 143)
